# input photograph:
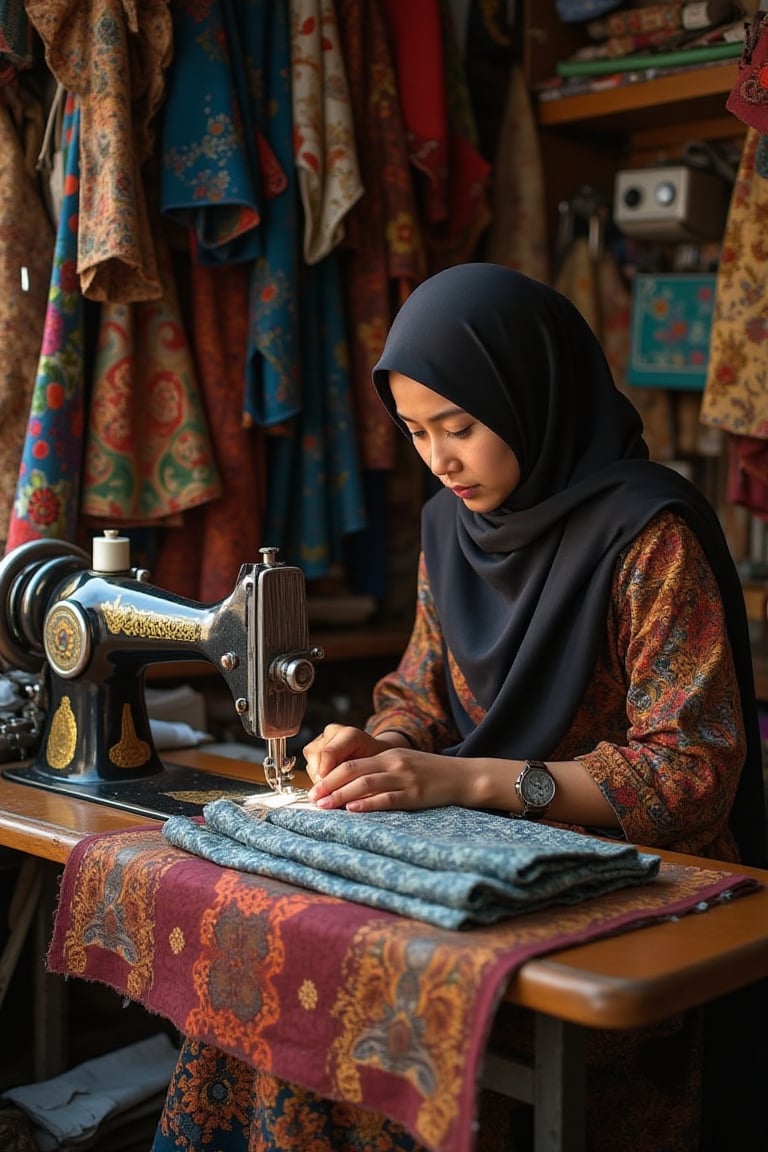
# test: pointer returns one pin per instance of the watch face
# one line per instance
(538, 787)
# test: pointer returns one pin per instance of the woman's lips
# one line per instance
(463, 493)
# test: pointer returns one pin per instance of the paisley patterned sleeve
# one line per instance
(672, 776)
(413, 699)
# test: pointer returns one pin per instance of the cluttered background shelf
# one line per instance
(615, 104)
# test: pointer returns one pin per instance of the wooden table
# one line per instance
(626, 981)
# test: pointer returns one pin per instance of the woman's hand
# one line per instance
(351, 769)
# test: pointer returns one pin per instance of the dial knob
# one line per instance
(294, 672)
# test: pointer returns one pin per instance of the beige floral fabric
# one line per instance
(323, 127)
(736, 391)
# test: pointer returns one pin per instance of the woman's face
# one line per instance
(465, 455)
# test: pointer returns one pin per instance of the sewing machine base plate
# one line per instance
(176, 791)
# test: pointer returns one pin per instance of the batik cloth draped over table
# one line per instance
(356, 1004)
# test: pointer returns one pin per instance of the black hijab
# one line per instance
(523, 592)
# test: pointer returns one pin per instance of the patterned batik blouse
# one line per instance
(660, 727)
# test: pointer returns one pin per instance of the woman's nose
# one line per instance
(438, 458)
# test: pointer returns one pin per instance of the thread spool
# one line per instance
(111, 552)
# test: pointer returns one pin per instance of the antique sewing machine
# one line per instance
(92, 626)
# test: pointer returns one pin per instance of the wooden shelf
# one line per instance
(696, 95)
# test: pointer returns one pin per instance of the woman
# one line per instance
(577, 602)
(579, 620)
(580, 652)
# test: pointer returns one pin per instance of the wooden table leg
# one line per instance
(554, 1084)
(50, 1027)
(21, 913)
(559, 1086)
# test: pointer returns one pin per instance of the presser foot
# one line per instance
(280, 779)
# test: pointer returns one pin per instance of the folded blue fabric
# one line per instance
(453, 867)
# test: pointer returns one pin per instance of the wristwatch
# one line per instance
(536, 788)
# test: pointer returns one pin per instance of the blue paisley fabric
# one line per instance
(452, 867)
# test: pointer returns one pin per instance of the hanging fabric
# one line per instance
(211, 172)
(452, 174)
(383, 251)
(736, 389)
(50, 160)
(517, 236)
(148, 453)
(589, 276)
(26, 253)
(273, 386)
(15, 40)
(323, 129)
(382, 259)
(112, 55)
(748, 99)
(316, 495)
(202, 557)
(49, 478)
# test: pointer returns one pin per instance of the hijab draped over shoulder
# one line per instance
(523, 592)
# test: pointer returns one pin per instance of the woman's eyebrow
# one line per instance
(441, 415)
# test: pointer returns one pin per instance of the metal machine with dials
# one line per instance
(93, 625)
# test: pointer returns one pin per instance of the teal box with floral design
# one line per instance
(670, 329)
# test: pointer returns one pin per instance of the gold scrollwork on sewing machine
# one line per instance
(62, 738)
(128, 620)
(130, 751)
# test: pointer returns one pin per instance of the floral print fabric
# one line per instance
(211, 171)
(356, 1004)
(112, 55)
(48, 487)
(736, 388)
(324, 139)
(148, 451)
(665, 655)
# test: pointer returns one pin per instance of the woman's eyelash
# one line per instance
(418, 433)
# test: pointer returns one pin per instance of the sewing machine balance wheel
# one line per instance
(26, 575)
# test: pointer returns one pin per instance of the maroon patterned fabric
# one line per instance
(359, 1006)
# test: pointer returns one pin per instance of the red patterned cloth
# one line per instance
(357, 1005)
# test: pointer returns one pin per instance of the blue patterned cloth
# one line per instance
(211, 175)
(452, 867)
